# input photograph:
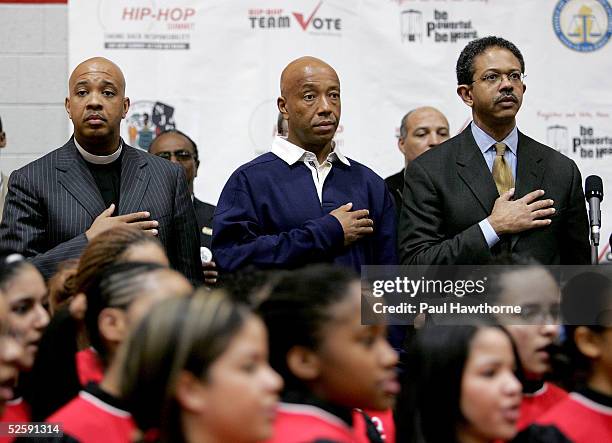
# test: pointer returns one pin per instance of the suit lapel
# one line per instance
(134, 180)
(529, 168)
(3, 189)
(529, 172)
(473, 170)
(77, 179)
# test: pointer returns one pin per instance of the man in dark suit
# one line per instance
(95, 182)
(420, 130)
(179, 148)
(492, 189)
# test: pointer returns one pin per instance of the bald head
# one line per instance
(96, 104)
(310, 103)
(300, 67)
(98, 65)
(421, 129)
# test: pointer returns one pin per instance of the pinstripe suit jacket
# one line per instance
(52, 201)
(3, 192)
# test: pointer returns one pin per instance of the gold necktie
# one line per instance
(502, 175)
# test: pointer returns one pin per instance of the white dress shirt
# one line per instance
(291, 154)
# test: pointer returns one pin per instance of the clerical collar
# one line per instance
(98, 159)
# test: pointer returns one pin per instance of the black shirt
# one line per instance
(108, 180)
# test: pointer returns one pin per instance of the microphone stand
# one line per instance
(593, 189)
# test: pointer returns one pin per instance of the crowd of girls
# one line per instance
(132, 353)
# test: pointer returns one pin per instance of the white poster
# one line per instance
(211, 68)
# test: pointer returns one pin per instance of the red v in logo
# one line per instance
(300, 18)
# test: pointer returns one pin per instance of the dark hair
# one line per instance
(428, 407)
(10, 265)
(501, 265)
(176, 131)
(403, 131)
(103, 251)
(116, 286)
(250, 285)
(465, 62)
(585, 301)
(59, 290)
(0, 124)
(178, 334)
(296, 310)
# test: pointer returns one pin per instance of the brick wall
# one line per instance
(33, 80)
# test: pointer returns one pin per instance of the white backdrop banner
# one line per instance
(211, 68)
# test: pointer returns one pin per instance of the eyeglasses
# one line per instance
(182, 156)
(495, 78)
(536, 314)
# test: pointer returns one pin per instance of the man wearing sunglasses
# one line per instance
(179, 148)
(491, 189)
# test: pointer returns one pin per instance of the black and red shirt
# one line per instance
(89, 366)
(95, 416)
(538, 401)
(583, 417)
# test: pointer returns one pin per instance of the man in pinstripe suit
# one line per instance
(58, 203)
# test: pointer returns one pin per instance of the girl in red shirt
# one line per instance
(23, 289)
(330, 362)
(523, 282)
(459, 386)
(198, 371)
(10, 354)
(585, 416)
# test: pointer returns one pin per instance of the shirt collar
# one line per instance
(485, 141)
(305, 398)
(99, 159)
(291, 154)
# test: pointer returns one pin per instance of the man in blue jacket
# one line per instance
(305, 202)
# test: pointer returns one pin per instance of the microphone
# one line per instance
(593, 192)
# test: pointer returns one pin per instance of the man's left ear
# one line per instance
(126, 106)
(2, 139)
(524, 87)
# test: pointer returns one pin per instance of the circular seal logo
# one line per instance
(583, 25)
(145, 121)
